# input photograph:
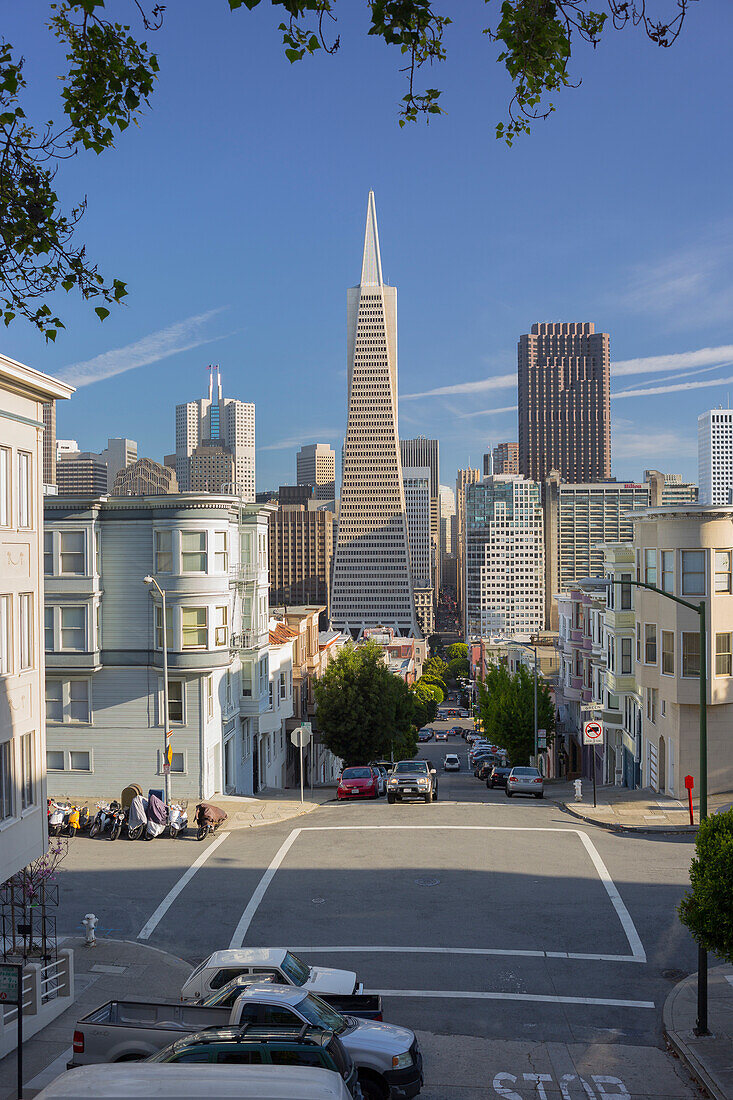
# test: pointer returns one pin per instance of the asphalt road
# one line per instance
(498, 921)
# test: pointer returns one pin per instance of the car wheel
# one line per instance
(390, 799)
(427, 798)
(435, 795)
(540, 795)
(372, 1088)
(508, 793)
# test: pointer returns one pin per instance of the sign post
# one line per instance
(689, 784)
(301, 737)
(11, 993)
(593, 735)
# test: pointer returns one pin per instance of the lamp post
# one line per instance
(701, 1027)
(166, 767)
(533, 649)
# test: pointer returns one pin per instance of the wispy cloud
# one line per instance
(631, 442)
(674, 388)
(653, 364)
(484, 412)
(496, 382)
(182, 336)
(303, 437)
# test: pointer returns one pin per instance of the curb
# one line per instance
(612, 827)
(231, 824)
(681, 1049)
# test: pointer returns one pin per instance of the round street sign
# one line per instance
(592, 733)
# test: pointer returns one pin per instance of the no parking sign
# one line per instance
(592, 733)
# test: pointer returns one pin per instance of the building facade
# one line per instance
(222, 424)
(464, 478)
(564, 402)
(23, 394)
(505, 459)
(211, 469)
(504, 558)
(145, 478)
(316, 466)
(670, 489)
(49, 443)
(301, 555)
(118, 455)
(715, 455)
(416, 482)
(81, 473)
(423, 452)
(371, 578)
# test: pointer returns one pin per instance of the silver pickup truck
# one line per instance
(387, 1057)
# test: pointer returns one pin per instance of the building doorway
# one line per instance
(229, 765)
(662, 767)
(651, 760)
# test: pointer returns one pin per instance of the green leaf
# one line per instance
(101, 312)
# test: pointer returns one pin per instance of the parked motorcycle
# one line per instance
(157, 817)
(137, 817)
(177, 819)
(118, 820)
(208, 819)
(56, 817)
(104, 818)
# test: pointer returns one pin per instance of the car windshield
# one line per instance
(405, 767)
(525, 771)
(295, 969)
(357, 773)
(451, 758)
(321, 1015)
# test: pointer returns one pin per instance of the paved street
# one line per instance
(549, 946)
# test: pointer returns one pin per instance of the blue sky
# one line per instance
(235, 213)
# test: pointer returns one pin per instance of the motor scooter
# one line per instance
(56, 817)
(177, 819)
(104, 817)
(118, 818)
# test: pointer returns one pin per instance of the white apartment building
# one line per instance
(216, 421)
(273, 739)
(715, 455)
(504, 557)
(104, 642)
(316, 465)
(23, 392)
(372, 582)
(418, 505)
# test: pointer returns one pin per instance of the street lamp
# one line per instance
(166, 769)
(533, 649)
(701, 1027)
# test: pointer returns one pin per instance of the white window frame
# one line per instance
(28, 803)
(204, 628)
(221, 556)
(83, 572)
(694, 573)
(172, 721)
(81, 771)
(25, 489)
(7, 664)
(183, 753)
(7, 781)
(199, 552)
(6, 502)
(25, 632)
(158, 553)
(158, 613)
(221, 625)
(85, 628)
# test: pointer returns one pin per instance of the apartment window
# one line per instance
(650, 566)
(27, 774)
(6, 780)
(175, 701)
(159, 625)
(651, 704)
(48, 629)
(79, 701)
(693, 572)
(194, 627)
(80, 761)
(723, 654)
(26, 630)
(71, 552)
(638, 643)
(210, 696)
(283, 686)
(25, 489)
(663, 708)
(690, 653)
(723, 572)
(4, 487)
(163, 551)
(220, 625)
(54, 701)
(193, 551)
(269, 689)
(54, 760)
(625, 592)
(73, 629)
(650, 643)
(178, 762)
(667, 557)
(221, 554)
(48, 553)
(626, 656)
(98, 553)
(6, 636)
(668, 652)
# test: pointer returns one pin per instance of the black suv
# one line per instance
(259, 1046)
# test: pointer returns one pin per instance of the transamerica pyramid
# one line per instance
(371, 584)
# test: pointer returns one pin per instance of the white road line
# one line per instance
(149, 927)
(637, 948)
(51, 1072)
(254, 902)
(519, 953)
(483, 995)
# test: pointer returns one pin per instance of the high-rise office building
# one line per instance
(211, 469)
(466, 477)
(715, 455)
(145, 478)
(81, 473)
(49, 443)
(426, 452)
(564, 402)
(416, 481)
(669, 489)
(219, 423)
(447, 499)
(316, 466)
(118, 454)
(504, 558)
(504, 459)
(579, 520)
(372, 583)
(301, 555)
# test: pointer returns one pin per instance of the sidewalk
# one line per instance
(270, 807)
(621, 809)
(709, 1058)
(113, 969)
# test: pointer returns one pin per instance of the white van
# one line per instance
(122, 1080)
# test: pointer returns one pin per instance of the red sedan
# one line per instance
(358, 783)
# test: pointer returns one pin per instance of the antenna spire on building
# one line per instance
(371, 266)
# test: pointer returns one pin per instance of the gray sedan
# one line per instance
(525, 781)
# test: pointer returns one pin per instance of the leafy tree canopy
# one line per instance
(707, 910)
(458, 667)
(456, 650)
(506, 704)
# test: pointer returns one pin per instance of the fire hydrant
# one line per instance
(578, 791)
(90, 923)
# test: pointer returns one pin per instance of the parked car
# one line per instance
(424, 735)
(412, 779)
(456, 729)
(382, 772)
(367, 1006)
(266, 1046)
(363, 782)
(484, 767)
(498, 776)
(525, 781)
(451, 763)
(276, 963)
(441, 735)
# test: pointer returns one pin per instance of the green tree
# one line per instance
(435, 644)
(356, 704)
(406, 721)
(436, 669)
(706, 909)
(456, 650)
(428, 690)
(458, 667)
(506, 705)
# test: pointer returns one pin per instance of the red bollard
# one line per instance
(689, 784)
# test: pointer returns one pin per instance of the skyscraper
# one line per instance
(316, 465)
(466, 477)
(715, 455)
(505, 459)
(372, 585)
(425, 452)
(564, 402)
(221, 423)
(49, 443)
(416, 481)
(118, 454)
